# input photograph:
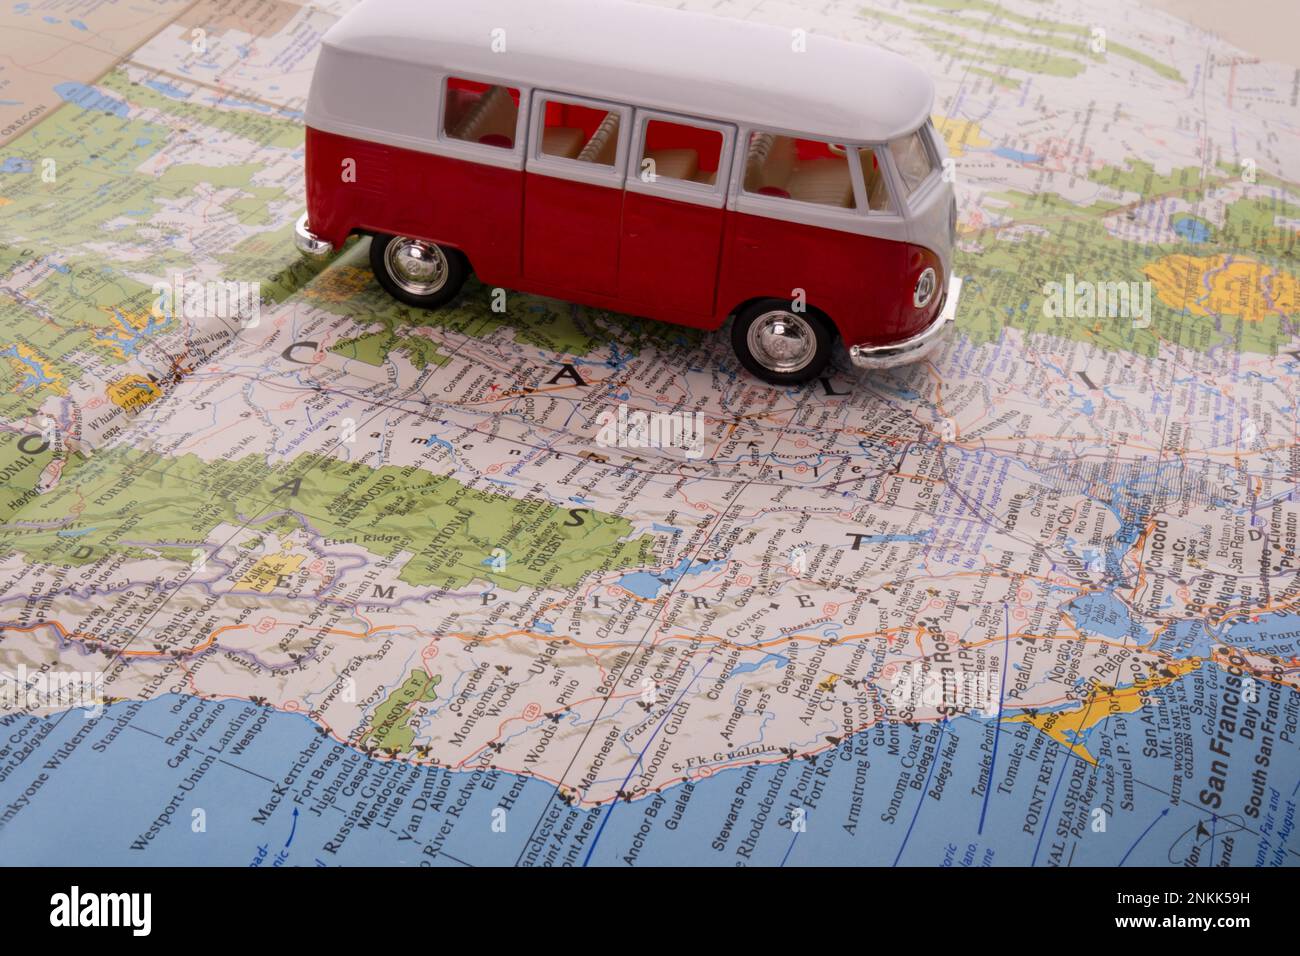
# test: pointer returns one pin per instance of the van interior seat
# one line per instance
(772, 167)
(563, 141)
(826, 181)
(602, 148)
(675, 163)
(768, 164)
(681, 164)
(877, 193)
(493, 114)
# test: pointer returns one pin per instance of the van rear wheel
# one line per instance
(419, 273)
(780, 345)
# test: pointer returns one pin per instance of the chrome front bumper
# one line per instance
(919, 346)
(307, 243)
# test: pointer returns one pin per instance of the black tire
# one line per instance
(387, 254)
(808, 324)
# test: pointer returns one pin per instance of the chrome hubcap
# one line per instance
(781, 341)
(418, 267)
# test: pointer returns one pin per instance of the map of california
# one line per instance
(359, 577)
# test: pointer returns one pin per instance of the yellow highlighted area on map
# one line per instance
(263, 576)
(1225, 285)
(33, 371)
(959, 135)
(126, 328)
(132, 392)
(338, 284)
(1067, 727)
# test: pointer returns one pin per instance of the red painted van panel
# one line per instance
(670, 256)
(475, 208)
(679, 262)
(853, 279)
(571, 233)
(912, 319)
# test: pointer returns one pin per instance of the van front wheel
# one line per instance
(416, 272)
(780, 345)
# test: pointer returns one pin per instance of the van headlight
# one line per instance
(924, 291)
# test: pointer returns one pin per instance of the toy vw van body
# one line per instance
(677, 166)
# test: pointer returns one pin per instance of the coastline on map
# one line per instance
(1264, 28)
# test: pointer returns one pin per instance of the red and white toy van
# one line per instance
(643, 160)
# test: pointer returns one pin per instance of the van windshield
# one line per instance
(913, 159)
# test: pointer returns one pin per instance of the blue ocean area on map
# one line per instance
(879, 796)
(1274, 633)
(1103, 612)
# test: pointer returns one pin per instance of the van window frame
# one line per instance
(917, 198)
(861, 199)
(701, 194)
(561, 167)
(481, 153)
(814, 214)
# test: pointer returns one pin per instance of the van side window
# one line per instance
(806, 170)
(480, 113)
(874, 177)
(582, 133)
(912, 159)
(675, 151)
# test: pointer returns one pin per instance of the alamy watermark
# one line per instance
(1086, 299)
(24, 690)
(914, 686)
(218, 299)
(73, 909)
(636, 429)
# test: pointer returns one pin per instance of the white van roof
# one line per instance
(642, 55)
